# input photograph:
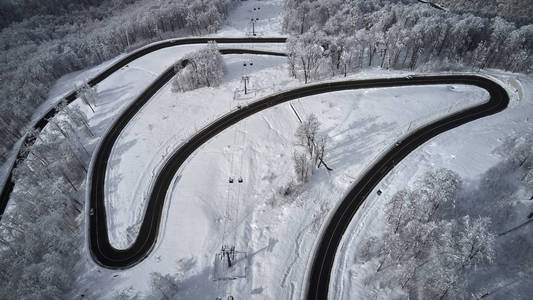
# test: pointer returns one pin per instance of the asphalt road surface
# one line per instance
(318, 283)
(43, 121)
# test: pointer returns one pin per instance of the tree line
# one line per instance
(518, 11)
(332, 38)
(40, 232)
(17, 11)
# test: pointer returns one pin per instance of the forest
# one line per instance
(442, 239)
(330, 38)
(16, 11)
(41, 48)
(39, 263)
(517, 11)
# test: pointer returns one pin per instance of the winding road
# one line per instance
(331, 236)
(319, 271)
(70, 97)
(318, 281)
(101, 249)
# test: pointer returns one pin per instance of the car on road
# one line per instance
(91, 212)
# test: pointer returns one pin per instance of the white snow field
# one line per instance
(203, 211)
(267, 17)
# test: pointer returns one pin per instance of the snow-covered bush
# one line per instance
(287, 189)
(204, 67)
(161, 287)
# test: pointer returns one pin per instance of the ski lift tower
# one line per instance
(246, 81)
(254, 18)
(230, 264)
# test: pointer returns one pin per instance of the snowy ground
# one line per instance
(266, 14)
(203, 211)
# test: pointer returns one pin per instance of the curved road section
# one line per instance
(318, 282)
(319, 275)
(43, 121)
(101, 249)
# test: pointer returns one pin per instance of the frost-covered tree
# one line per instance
(522, 157)
(88, 94)
(307, 132)
(306, 55)
(302, 166)
(421, 252)
(399, 35)
(463, 245)
(314, 146)
(204, 67)
(76, 116)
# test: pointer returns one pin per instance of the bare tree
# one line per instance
(306, 134)
(314, 146)
(302, 166)
(88, 95)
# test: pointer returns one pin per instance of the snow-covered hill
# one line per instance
(204, 211)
